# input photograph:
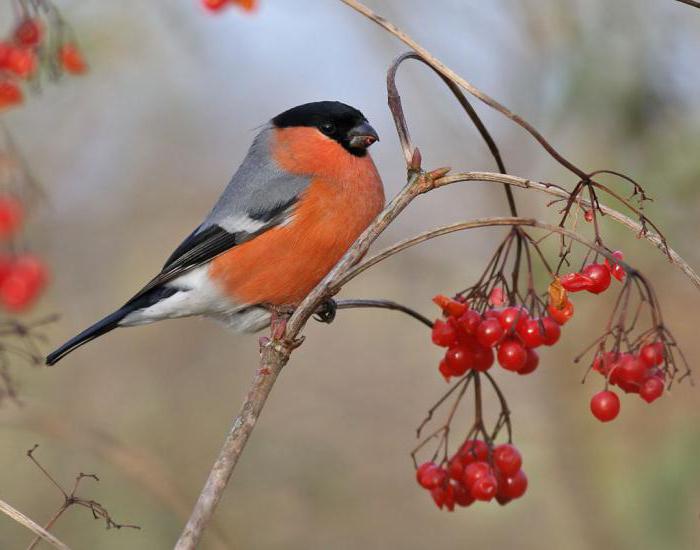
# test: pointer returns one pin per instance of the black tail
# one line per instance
(98, 329)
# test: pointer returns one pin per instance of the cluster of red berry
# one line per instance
(218, 5)
(633, 373)
(475, 472)
(22, 276)
(470, 337)
(26, 50)
(594, 278)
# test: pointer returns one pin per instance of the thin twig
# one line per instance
(37, 529)
(384, 304)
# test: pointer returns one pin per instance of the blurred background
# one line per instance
(132, 156)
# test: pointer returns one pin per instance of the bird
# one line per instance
(304, 192)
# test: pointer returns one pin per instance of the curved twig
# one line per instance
(384, 304)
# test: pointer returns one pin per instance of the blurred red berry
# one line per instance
(605, 406)
(23, 283)
(552, 331)
(588, 215)
(512, 317)
(443, 334)
(600, 275)
(616, 270)
(512, 355)
(483, 358)
(11, 215)
(531, 333)
(531, 363)
(10, 94)
(246, 5)
(652, 354)
(507, 459)
(512, 487)
(28, 33)
(215, 5)
(475, 471)
(470, 321)
(652, 389)
(462, 495)
(430, 475)
(474, 450)
(485, 488)
(489, 332)
(21, 61)
(459, 360)
(71, 59)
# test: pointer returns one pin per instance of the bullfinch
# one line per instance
(305, 191)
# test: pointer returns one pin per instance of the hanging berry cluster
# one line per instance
(218, 5)
(495, 322)
(40, 42)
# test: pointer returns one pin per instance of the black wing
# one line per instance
(204, 245)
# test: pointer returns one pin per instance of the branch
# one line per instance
(690, 3)
(20, 518)
(557, 191)
(384, 304)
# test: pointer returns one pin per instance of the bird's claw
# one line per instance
(326, 313)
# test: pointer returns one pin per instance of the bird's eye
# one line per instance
(328, 128)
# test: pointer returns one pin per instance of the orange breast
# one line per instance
(282, 265)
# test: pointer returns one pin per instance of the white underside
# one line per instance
(198, 295)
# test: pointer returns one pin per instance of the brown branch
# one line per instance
(690, 3)
(384, 304)
(37, 529)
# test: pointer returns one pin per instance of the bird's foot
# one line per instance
(326, 312)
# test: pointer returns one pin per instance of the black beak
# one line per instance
(362, 136)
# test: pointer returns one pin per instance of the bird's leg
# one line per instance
(278, 327)
(326, 313)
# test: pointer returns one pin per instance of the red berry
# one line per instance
(474, 450)
(459, 360)
(28, 32)
(10, 94)
(512, 355)
(455, 468)
(474, 471)
(652, 389)
(531, 363)
(600, 275)
(470, 321)
(588, 215)
(513, 317)
(430, 475)
(485, 488)
(445, 370)
(511, 487)
(23, 284)
(552, 331)
(444, 334)
(531, 333)
(489, 332)
(629, 370)
(439, 495)
(562, 315)
(575, 282)
(71, 59)
(652, 354)
(507, 459)
(11, 215)
(605, 405)
(483, 358)
(215, 5)
(21, 61)
(616, 270)
(463, 496)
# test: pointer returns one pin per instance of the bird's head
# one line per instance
(330, 120)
